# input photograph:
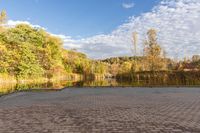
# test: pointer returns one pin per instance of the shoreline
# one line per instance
(80, 81)
(95, 87)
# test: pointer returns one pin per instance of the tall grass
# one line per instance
(5, 78)
(165, 78)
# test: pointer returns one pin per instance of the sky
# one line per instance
(103, 28)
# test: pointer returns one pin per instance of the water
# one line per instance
(54, 86)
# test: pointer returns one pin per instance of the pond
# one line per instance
(54, 86)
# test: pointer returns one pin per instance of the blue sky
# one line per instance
(104, 28)
(76, 17)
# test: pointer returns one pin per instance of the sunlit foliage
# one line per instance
(27, 52)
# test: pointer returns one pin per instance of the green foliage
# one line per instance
(27, 52)
(28, 65)
(32, 52)
(76, 62)
(99, 67)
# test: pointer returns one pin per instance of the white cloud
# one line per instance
(69, 43)
(128, 5)
(12, 23)
(177, 23)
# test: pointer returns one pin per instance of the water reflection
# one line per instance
(9, 88)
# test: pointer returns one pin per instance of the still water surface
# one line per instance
(54, 86)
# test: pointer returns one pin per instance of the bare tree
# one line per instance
(135, 41)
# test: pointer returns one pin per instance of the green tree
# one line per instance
(29, 51)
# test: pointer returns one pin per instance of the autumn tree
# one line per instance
(3, 49)
(3, 17)
(125, 67)
(153, 51)
(99, 67)
(26, 51)
(19, 58)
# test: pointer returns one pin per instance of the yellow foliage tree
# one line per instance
(153, 51)
(3, 17)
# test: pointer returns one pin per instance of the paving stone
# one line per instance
(115, 111)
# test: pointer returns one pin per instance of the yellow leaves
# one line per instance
(3, 17)
(125, 67)
(153, 51)
(2, 48)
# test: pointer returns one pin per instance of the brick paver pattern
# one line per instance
(102, 110)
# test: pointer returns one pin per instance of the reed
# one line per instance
(162, 77)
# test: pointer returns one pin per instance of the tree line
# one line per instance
(153, 60)
(29, 52)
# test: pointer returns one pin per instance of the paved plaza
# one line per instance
(102, 110)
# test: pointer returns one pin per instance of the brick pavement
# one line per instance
(102, 110)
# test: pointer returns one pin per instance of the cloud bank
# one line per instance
(177, 23)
